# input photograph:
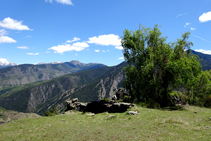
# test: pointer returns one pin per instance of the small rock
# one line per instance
(74, 100)
(133, 105)
(210, 118)
(132, 112)
(90, 114)
(8, 120)
(207, 127)
(110, 117)
(195, 112)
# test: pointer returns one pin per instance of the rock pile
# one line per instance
(101, 105)
(98, 106)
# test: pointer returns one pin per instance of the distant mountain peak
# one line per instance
(5, 63)
(41, 63)
(76, 62)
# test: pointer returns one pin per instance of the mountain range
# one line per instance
(28, 73)
(88, 85)
(87, 82)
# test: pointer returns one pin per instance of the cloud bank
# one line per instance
(103, 40)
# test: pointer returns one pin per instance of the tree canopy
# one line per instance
(156, 68)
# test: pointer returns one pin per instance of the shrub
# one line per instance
(152, 104)
(52, 111)
(106, 99)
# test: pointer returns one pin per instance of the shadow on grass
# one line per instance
(173, 108)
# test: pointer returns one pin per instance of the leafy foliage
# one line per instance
(156, 67)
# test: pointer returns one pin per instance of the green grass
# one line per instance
(150, 124)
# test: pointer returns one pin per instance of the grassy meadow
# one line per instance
(190, 123)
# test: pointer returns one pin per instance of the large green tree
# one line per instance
(156, 67)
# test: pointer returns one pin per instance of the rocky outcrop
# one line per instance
(102, 105)
(98, 106)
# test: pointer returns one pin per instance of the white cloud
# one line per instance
(180, 15)
(79, 46)
(201, 38)
(32, 53)
(97, 50)
(23, 47)
(3, 32)
(6, 39)
(74, 39)
(48, 52)
(103, 51)
(13, 24)
(192, 28)
(28, 36)
(205, 17)
(203, 51)
(187, 24)
(68, 2)
(105, 40)
(121, 58)
(119, 47)
(76, 54)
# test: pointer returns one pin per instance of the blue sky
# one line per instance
(34, 31)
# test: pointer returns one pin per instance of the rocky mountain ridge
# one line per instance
(28, 73)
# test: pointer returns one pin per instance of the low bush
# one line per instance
(52, 111)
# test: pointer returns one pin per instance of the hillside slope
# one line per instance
(26, 100)
(205, 60)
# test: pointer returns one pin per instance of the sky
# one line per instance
(35, 31)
